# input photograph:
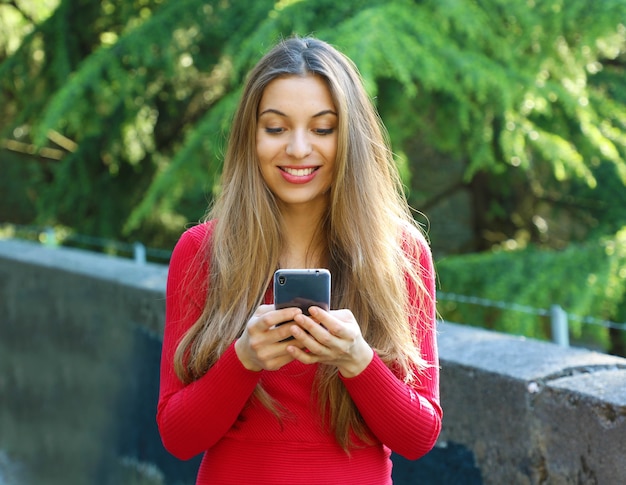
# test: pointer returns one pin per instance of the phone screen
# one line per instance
(302, 288)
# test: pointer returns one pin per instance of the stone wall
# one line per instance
(79, 354)
(533, 412)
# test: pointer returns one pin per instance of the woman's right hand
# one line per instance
(262, 346)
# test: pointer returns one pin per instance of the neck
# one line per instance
(304, 243)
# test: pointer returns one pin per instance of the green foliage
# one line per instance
(145, 89)
(587, 279)
(16, 206)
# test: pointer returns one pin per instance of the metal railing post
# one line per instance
(50, 238)
(139, 252)
(558, 321)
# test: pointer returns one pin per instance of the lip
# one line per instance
(298, 175)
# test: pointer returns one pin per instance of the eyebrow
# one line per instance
(280, 113)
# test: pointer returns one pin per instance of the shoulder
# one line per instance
(192, 244)
(195, 237)
(414, 243)
(189, 263)
(197, 234)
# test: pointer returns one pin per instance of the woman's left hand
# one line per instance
(332, 338)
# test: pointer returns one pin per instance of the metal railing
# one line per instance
(50, 236)
(559, 318)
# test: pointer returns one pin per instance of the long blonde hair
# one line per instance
(367, 221)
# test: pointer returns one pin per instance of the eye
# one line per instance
(274, 131)
(324, 131)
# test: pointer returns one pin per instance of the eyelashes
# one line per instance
(317, 131)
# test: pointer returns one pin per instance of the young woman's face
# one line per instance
(296, 140)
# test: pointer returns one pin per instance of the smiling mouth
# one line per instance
(299, 172)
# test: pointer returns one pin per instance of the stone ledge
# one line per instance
(148, 276)
(517, 357)
(533, 412)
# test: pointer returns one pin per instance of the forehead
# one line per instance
(301, 93)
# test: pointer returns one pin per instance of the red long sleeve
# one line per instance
(242, 439)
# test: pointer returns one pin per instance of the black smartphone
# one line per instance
(302, 288)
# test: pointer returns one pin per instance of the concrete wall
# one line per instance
(533, 412)
(79, 352)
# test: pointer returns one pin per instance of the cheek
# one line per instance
(333, 155)
(266, 148)
(331, 151)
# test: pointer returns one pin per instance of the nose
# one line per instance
(299, 145)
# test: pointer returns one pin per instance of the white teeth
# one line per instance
(299, 172)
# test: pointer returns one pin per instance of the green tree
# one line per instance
(136, 96)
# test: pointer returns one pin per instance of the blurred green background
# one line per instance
(508, 120)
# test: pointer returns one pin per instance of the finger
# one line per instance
(269, 319)
(317, 341)
(299, 354)
(338, 322)
(263, 309)
(321, 324)
(285, 314)
(282, 332)
(281, 318)
(310, 326)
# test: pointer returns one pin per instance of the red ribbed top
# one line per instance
(245, 443)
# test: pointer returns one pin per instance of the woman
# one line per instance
(308, 181)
